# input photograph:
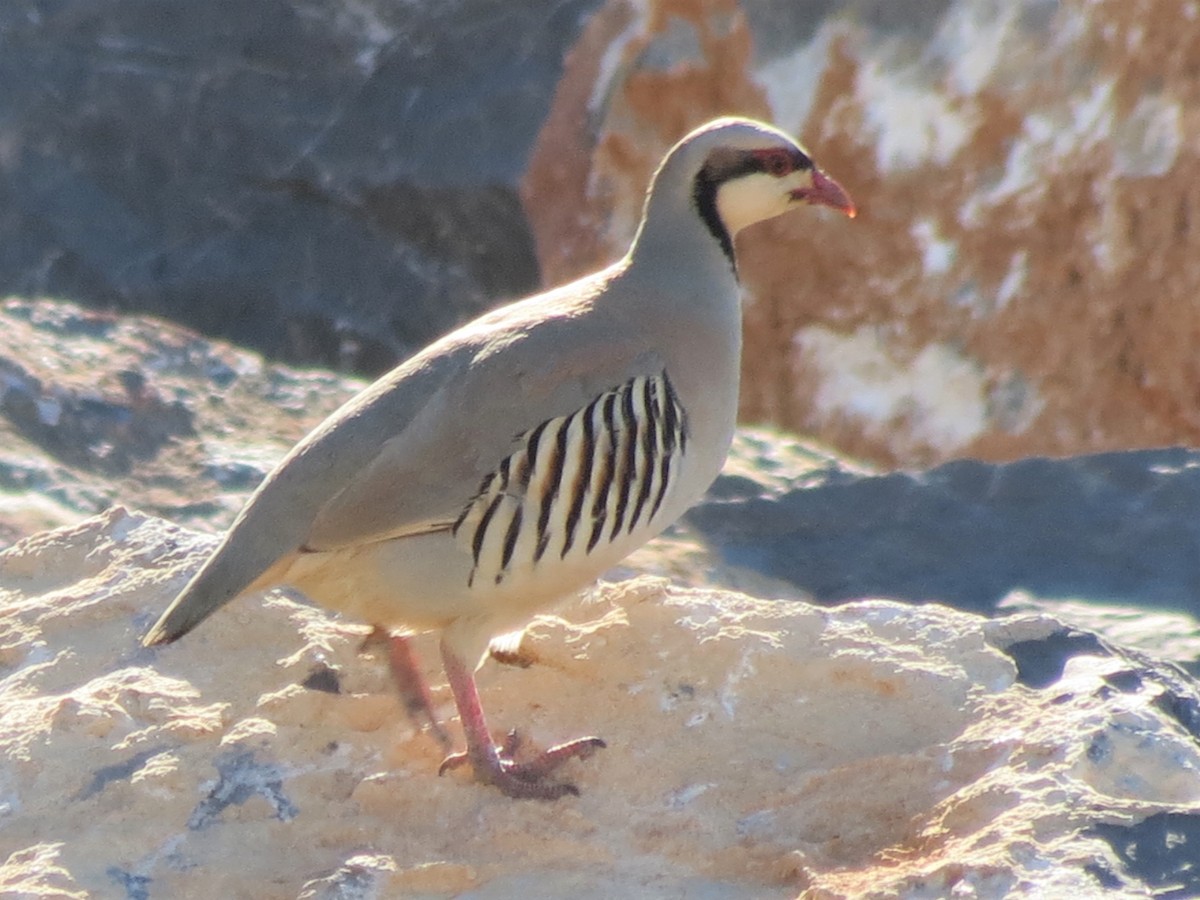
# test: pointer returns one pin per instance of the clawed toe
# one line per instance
(541, 764)
(525, 777)
(515, 773)
(453, 761)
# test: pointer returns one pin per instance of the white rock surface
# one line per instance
(756, 748)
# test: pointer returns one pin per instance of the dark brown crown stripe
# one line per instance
(615, 457)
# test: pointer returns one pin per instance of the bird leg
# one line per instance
(406, 672)
(497, 765)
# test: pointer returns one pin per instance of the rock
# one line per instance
(1018, 280)
(324, 182)
(1113, 527)
(756, 748)
(340, 184)
(94, 429)
(96, 408)
(1106, 541)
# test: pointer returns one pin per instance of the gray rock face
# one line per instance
(327, 182)
(94, 407)
(1110, 527)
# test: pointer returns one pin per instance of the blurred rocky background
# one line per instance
(1023, 275)
(327, 182)
(335, 184)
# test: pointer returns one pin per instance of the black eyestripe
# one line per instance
(704, 196)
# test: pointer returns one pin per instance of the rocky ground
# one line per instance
(99, 408)
(756, 748)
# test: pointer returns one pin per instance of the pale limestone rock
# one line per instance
(756, 748)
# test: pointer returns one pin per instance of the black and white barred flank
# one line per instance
(578, 480)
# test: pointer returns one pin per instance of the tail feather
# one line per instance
(193, 605)
(221, 579)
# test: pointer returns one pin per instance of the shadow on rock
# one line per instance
(1117, 527)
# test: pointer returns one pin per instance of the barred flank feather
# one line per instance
(577, 480)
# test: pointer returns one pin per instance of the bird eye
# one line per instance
(776, 162)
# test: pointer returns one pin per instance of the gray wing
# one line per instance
(422, 476)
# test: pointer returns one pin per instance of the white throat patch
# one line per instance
(752, 198)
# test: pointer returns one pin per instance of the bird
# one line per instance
(510, 463)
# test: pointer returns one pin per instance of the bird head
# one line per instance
(733, 172)
(755, 172)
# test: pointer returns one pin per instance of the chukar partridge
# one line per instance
(510, 463)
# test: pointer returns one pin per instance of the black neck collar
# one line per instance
(704, 196)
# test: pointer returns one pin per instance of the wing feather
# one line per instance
(422, 474)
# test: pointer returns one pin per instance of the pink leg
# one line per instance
(495, 765)
(414, 692)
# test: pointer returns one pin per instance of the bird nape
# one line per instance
(413, 508)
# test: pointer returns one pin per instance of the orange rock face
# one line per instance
(636, 82)
(1024, 274)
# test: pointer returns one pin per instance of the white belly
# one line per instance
(429, 581)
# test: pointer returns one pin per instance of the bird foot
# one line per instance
(524, 778)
